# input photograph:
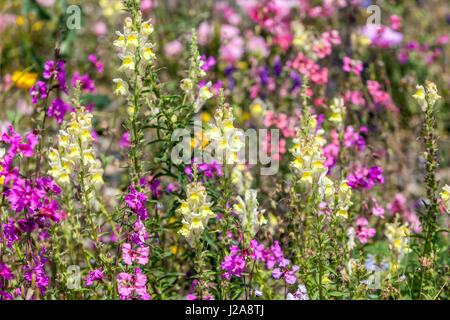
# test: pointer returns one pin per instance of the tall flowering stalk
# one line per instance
(427, 98)
(136, 53)
(196, 212)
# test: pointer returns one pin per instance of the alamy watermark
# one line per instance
(253, 148)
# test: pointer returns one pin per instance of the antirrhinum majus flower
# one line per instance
(426, 97)
(224, 137)
(250, 216)
(196, 212)
(75, 153)
(308, 165)
(398, 236)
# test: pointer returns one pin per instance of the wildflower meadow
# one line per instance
(224, 150)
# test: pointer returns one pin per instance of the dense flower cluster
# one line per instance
(74, 160)
(196, 212)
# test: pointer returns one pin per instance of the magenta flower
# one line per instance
(140, 234)
(38, 92)
(15, 139)
(58, 109)
(126, 141)
(96, 274)
(351, 65)
(208, 63)
(129, 255)
(5, 273)
(377, 210)
(86, 84)
(136, 201)
(363, 233)
(382, 36)
(234, 263)
(56, 72)
(365, 178)
(36, 274)
(284, 273)
(132, 286)
(96, 63)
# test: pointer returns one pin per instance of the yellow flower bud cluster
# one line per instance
(249, 215)
(75, 154)
(426, 97)
(224, 137)
(196, 212)
(309, 170)
(337, 111)
(308, 163)
(135, 51)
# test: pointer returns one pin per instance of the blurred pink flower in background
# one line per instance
(100, 29)
(233, 50)
(173, 48)
(46, 3)
(7, 20)
(24, 107)
(257, 45)
(146, 5)
(204, 33)
(395, 22)
(228, 31)
(382, 36)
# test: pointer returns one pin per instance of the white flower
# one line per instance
(121, 86)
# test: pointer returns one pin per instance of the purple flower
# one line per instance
(365, 178)
(86, 84)
(234, 263)
(56, 72)
(38, 92)
(382, 36)
(96, 63)
(11, 233)
(136, 201)
(208, 63)
(5, 272)
(58, 109)
(140, 234)
(130, 286)
(37, 271)
(15, 139)
(300, 294)
(283, 272)
(125, 142)
(96, 274)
